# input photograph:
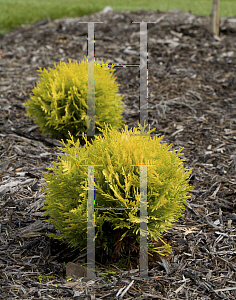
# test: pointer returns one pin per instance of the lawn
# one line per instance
(15, 13)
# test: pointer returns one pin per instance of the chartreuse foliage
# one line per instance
(59, 100)
(117, 184)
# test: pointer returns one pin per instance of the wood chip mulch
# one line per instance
(192, 101)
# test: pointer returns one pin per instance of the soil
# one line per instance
(192, 101)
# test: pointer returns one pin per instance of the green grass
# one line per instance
(15, 13)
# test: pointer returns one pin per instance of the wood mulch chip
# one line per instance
(192, 101)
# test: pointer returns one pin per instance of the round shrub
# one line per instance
(59, 100)
(117, 184)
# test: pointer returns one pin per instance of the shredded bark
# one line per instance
(192, 101)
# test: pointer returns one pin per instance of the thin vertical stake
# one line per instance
(90, 225)
(91, 83)
(143, 259)
(143, 75)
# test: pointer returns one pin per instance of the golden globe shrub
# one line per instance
(117, 184)
(59, 100)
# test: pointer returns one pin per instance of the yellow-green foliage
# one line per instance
(117, 184)
(59, 100)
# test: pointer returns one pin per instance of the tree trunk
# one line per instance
(215, 18)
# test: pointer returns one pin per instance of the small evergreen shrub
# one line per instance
(117, 184)
(59, 100)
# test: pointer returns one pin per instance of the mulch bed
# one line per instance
(192, 101)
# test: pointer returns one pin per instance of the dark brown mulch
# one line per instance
(192, 102)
